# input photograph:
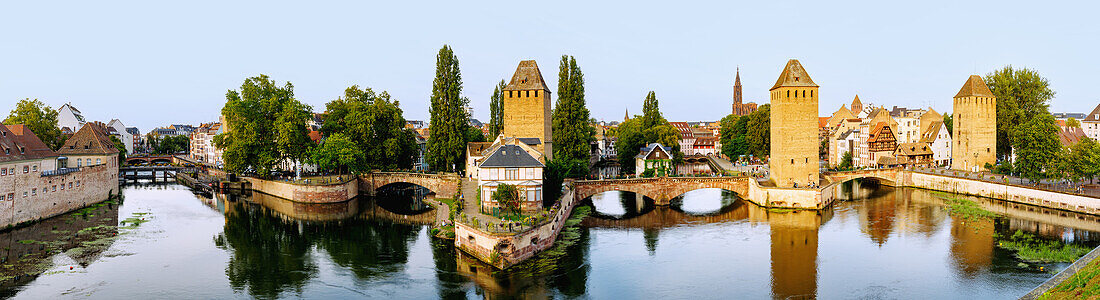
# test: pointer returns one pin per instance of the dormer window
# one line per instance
(796, 78)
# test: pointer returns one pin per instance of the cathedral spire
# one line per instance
(737, 87)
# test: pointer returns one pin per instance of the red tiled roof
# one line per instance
(19, 143)
(822, 122)
(315, 136)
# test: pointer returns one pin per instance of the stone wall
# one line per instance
(443, 185)
(320, 193)
(518, 247)
(1014, 193)
(48, 196)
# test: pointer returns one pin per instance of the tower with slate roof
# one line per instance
(527, 107)
(975, 126)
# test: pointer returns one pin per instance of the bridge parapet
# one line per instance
(444, 185)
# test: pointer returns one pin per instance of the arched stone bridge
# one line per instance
(444, 185)
(662, 189)
(891, 176)
(168, 159)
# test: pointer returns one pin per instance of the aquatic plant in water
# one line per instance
(1033, 249)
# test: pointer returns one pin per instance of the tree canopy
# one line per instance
(338, 152)
(447, 142)
(573, 134)
(758, 134)
(373, 124)
(496, 111)
(268, 126)
(1072, 122)
(732, 136)
(40, 119)
(1022, 94)
(1037, 146)
(169, 144)
(642, 130)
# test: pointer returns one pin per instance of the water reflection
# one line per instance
(79, 237)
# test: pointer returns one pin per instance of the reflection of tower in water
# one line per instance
(794, 253)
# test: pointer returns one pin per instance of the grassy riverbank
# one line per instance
(1085, 284)
(547, 260)
(965, 208)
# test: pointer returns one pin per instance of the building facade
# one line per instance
(1091, 124)
(654, 157)
(975, 126)
(37, 183)
(794, 143)
(513, 162)
(69, 117)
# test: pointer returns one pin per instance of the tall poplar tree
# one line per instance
(447, 139)
(573, 134)
(496, 111)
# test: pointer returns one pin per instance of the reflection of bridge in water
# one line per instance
(359, 208)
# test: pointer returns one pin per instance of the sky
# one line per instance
(155, 63)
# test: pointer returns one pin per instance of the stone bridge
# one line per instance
(663, 189)
(168, 159)
(444, 185)
(891, 176)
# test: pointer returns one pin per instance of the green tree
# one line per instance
(1022, 94)
(268, 126)
(496, 111)
(573, 134)
(338, 152)
(1037, 146)
(1072, 122)
(640, 131)
(758, 134)
(121, 149)
(846, 161)
(171, 144)
(474, 135)
(948, 121)
(40, 119)
(508, 197)
(555, 173)
(732, 136)
(1084, 159)
(447, 142)
(374, 123)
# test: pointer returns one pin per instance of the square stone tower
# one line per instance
(975, 126)
(527, 107)
(794, 132)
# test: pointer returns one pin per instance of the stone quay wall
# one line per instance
(310, 193)
(52, 195)
(514, 248)
(1002, 191)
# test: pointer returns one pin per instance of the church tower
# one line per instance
(737, 91)
(975, 126)
(794, 144)
(527, 107)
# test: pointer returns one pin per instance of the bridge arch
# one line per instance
(443, 185)
(887, 176)
(663, 189)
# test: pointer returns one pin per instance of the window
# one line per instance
(34, 191)
(527, 94)
(792, 161)
(803, 93)
(536, 93)
(788, 93)
(811, 93)
(62, 186)
(4, 172)
(78, 183)
(54, 189)
(24, 194)
(26, 169)
(98, 161)
(35, 168)
(70, 185)
(78, 163)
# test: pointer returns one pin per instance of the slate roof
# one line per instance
(844, 136)
(530, 141)
(17, 142)
(974, 87)
(653, 146)
(92, 139)
(510, 156)
(793, 75)
(527, 77)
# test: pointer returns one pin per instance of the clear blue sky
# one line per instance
(151, 64)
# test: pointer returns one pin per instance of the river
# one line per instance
(163, 241)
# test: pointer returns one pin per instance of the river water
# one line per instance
(163, 241)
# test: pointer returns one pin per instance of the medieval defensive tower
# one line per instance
(975, 126)
(794, 153)
(527, 107)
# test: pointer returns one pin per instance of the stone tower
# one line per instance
(527, 107)
(794, 132)
(975, 126)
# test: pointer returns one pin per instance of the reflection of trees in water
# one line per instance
(544, 276)
(271, 254)
(403, 198)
